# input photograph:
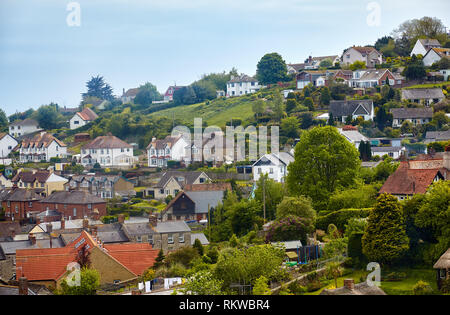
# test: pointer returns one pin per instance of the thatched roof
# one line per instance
(444, 261)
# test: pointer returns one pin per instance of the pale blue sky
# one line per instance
(131, 42)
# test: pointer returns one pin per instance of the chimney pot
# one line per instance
(12, 232)
(85, 224)
(23, 286)
(63, 224)
(152, 219)
(49, 228)
(32, 239)
(349, 284)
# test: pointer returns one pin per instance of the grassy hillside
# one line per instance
(217, 112)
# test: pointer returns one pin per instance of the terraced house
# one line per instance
(44, 182)
(41, 147)
(169, 149)
(108, 151)
(106, 186)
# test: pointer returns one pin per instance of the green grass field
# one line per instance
(428, 85)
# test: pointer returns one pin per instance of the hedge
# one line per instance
(340, 218)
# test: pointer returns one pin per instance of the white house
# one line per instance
(7, 144)
(241, 85)
(416, 116)
(445, 73)
(423, 45)
(275, 165)
(82, 118)
(170, 149)
(369, 55)
(129, 95)
(435, 55)
(423, 96)
(5, 182)
(108, 151)
(24, 127)
(314, 62)
(393, 152)
(41, 147)
(352, 134)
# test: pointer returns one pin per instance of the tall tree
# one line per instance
(3, 120)
(147, 94)
(324, 161)
(271, 69)
(385, 239)
(97, 87)
(426, 27)
(48, 116)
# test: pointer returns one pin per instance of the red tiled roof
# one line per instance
(87, 114)
(135, 257)
(407, 181)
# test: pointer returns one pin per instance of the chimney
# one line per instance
(447, 158)
(12, 232)
(152, 220)
(49, 228)
(349, 284)
(32, 239)
(85, 224)
(23, 286)
(94, 231)
(121, 218)
(63, 224)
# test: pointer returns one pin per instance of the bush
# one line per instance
(445, 286)
(422, 288)
(341, 217)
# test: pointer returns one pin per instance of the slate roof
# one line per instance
(201, 237)
(407, 181)
(242, 78)
(364, 50)
(346, 108)
(172, 227)
(107, 142)
(40, 140)
(30, 177)
(409, 113)
(386, 149)
(10, 248)
(72, 197)
(427, 42)
(275, 159)
(21, 194)
(7, 227)
(187, 178)
(208, 187)
(161, 144)
(12, 290)
(412, 94)
(438, 135)
(352, 135)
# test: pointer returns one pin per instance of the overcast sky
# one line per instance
(43, 59)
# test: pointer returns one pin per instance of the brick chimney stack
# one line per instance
(23, 286)
(85, 224)
(63, 224)
(349, 284)
(32, 239)
(12, 232)
(49, 228)
(152, 220)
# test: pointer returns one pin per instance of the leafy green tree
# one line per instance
(326, 63)
(204, 90)
(358, 198)
(234, 242)
(198, 246)
(331, 121)
(415, 71)
(434, 215)
(48, 117)
(357, 65)
(274, 193)
(258, 108)
(324, 161)
(385, 238)
(147, 94)
(365, 151)
(426, 27)
(334, 270)
(271, 69)
(290, 228)
(89, 284)
(300, 206)
(185, 96)
(3, 120)
(291, 105)
(159, 260)
(383, 118)
(203, 283)
(184, 255)
(278, 106)
(245, 265)
(289, 127)
(261, 287)
(244, 215)
(325, 95)
(97, 87)
(309, 103)
(306, 120)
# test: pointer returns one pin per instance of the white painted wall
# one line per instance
(7, 143)
(76, 122)
(18, 131)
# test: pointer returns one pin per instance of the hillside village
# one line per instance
(361, 175)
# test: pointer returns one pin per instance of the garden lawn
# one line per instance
(428, 85)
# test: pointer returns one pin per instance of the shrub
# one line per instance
(340, 218)
(422, 288)
(445, 286)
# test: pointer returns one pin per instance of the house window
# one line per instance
(169, 217)
(442, 273)
(139, 239)
(30, 204)
(202, 180)
(17, 208)
(150, 239)
(170, 238)
(259, 170)
(74, 212)
(181, 238)
(271, 170)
